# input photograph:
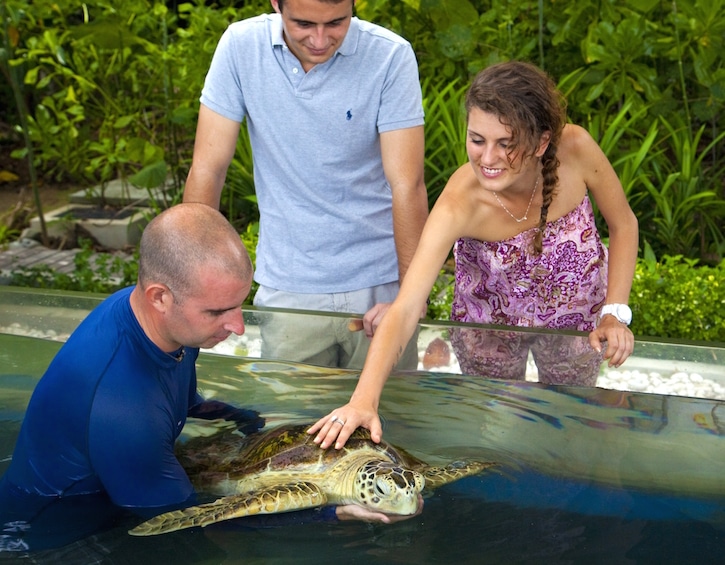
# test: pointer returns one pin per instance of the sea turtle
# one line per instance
(282, 470)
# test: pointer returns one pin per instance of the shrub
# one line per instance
(676, 298)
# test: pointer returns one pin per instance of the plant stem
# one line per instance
(23, 116)
(685, 101)
(541, 33)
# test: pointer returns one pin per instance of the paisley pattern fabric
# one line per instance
(505, 283)
(499, 354)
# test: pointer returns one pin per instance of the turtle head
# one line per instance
(385, 487)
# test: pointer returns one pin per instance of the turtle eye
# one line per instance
(382, 488)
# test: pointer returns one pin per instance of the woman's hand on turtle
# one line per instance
(339, 425)
(618, 337)
(355, 512)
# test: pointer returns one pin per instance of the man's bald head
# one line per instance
(185, 239)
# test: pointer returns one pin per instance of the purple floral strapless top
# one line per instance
(504, 282)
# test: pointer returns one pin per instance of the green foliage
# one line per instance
(441, 297)
(675, 298)
(9, 17)
(672, 178)
(617, 63)
(688, 212)
(115, 85)
(250, 236)
(113, 89)
(100, 73)
(239, 201)
(445, 133)
(94, 272)
(7, 233)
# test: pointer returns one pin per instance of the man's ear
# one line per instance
(159, 296)
(543, 143)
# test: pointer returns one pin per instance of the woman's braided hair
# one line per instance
(526, 100)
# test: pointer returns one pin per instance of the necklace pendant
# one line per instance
(526, 214)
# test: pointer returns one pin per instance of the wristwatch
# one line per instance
(622, 312)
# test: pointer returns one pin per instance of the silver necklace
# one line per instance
(178, 355)
(526, 214)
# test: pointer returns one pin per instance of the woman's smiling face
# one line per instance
(497, 158)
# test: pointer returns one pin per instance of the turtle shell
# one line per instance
(215, 463)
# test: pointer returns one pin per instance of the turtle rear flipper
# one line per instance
(270, 500)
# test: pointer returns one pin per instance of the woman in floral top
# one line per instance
(526, 248)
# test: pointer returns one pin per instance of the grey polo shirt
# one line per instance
(325, 205)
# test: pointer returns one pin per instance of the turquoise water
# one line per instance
(586, 475)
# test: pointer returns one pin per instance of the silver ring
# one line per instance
(336, 420)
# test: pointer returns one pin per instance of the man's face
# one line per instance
(314, 30)
(212, 313)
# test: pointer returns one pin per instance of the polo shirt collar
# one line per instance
(349, 44)
(277, 31)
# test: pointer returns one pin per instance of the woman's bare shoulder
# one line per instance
(460, 186)
(575, 139)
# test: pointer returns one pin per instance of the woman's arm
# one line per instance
(602, 181)
(397, 326)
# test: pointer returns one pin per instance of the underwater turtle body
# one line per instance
(282, 470)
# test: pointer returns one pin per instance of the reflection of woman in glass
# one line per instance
(527, 250)
(560, 359)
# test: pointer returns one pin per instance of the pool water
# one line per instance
(586, 475)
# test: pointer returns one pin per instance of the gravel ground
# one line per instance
(664, 378)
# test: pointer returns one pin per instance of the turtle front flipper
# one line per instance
(437, 476)
(270, 500)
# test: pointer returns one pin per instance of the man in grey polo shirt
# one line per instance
(334, 111)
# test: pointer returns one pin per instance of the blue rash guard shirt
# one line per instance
(98, 436)
(100, 428)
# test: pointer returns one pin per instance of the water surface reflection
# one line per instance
(587, 474)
